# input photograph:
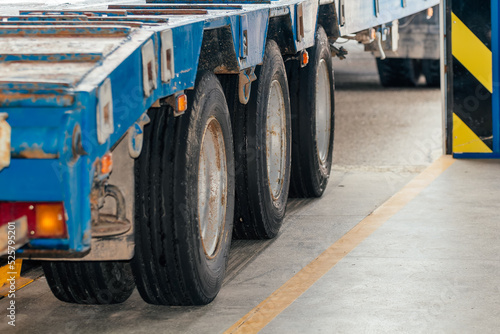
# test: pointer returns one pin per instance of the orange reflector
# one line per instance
(106, 164)
(50, 221)
(181, 103)
(430, 12)
(373, 33)
(305, 58)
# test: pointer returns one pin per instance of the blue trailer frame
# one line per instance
(50, 85)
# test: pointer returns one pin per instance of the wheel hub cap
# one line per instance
(276, 139)
(212, 187)
(323, 112)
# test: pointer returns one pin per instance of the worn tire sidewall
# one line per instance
(319, 51)
(272, 69)
(210, 270)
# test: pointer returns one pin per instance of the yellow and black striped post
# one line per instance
(472, 100)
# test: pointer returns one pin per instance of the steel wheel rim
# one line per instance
(276, 139)
(212, 187)
(323, 112)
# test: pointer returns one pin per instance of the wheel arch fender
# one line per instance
(328, 18)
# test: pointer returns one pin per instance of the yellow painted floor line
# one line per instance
(278, 301)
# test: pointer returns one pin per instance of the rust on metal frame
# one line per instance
(142, 19)
(52, 57)
(167, 11)
(134, 24)
(87, 12)
(65, 31)
(35, 18)
(177, 6)
(56, 86)
(13, 99)
(35, 153)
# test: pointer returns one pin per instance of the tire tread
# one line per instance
(164, 266)
(89, 282)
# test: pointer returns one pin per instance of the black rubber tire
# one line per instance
(431, 69)
(170, 265)
(399, 72)
(257, 214)
(309, 175)
(90, 282)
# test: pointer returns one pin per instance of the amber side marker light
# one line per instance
(305, 58)
(181, 103)
(50, 221)
(106, 164)
(430, 13)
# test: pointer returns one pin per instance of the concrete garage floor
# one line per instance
(430, 265)
(433, 267)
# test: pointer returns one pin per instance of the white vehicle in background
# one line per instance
(413, 53)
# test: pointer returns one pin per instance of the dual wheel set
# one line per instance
(221, 170)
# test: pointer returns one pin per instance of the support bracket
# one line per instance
(246, 77)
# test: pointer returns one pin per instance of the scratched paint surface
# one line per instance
(10, 7)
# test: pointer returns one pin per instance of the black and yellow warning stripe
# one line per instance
(472, 76)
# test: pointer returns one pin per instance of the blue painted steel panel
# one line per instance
(34, 117)
(362, 14)
(31, 180)
(60, 57)
(218, 22)
(50, 244)
(257, 32)
(476, 155)
(33, 141)
(187, 46)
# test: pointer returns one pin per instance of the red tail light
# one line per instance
(45, 220)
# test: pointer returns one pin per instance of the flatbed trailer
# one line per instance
(197, 119)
